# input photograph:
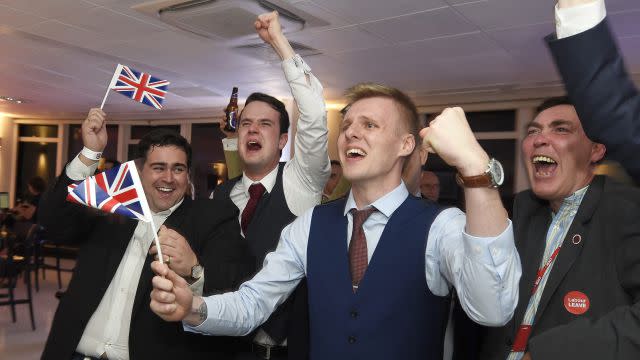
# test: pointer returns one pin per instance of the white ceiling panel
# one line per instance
(48, 8)
(621, 5)
(497, 14)
(16, 18)
(337, 40)
(424, 25)
(626, 23)
(110, 24)
(367, 10)
(334, 20)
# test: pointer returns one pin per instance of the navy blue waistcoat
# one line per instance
(393, 315)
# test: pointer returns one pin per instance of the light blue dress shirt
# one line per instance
(484, 271)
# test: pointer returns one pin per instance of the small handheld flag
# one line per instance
(137, 86)
(118, 191)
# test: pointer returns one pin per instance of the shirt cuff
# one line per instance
(198, 286)
(77, 170)
(575, 20)
(230, 144)
(295, 67)
(490, 250)
(210, 324)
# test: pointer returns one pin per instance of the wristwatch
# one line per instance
(196, 272)
(493, 177)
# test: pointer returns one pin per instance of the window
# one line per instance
(75, 142)
(206, 141)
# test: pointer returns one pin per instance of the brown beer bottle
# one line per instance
(231, 112)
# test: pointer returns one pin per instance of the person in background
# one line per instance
(430, 185)
(334, 179)
(440, 250)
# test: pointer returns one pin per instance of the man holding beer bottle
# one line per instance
(270, 194)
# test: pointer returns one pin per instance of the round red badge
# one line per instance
(576, 302)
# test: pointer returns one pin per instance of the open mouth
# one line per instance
(253, 146)
(163, 189)
(544, 165)
(355, 153)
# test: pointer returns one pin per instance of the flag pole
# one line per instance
(157, 241)
(114, 79)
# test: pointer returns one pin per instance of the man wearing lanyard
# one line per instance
(594, 73)
(270, 194)
(379, 263)
(579, 240)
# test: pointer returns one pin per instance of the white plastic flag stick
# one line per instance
(157, 241)
(114, 80)
(148, 217)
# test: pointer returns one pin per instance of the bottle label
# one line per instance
(232, 120)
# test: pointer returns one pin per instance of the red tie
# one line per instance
(255, 193)
(358, 246)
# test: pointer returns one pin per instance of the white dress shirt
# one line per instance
(574, 20)
(107, 332)
(484, 271)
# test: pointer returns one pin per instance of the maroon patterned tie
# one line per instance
(358, 246)
(255, 193)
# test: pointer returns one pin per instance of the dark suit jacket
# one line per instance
(604, 95)
(604, 265)
(103, 240)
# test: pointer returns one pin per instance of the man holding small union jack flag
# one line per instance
(105, 311)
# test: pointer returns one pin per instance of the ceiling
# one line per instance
(60, 55)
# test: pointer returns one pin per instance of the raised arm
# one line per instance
(475, 254)
(63, 220)
(596, 80)
(308, 171)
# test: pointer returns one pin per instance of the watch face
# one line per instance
(497, 173)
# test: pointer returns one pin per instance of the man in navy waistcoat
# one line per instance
(379, 263)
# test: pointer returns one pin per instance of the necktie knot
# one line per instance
(256, 190)
(360, 216)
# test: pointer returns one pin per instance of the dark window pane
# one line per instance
(35, 159)
(139, 131)
(75, 142)
(504, 120)
(50, 131)
(504, 150)
(206, 141)
(132, 151)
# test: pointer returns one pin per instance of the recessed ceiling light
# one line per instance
(12, 99)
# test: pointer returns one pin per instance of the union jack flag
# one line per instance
(117, 190)
(139, 86)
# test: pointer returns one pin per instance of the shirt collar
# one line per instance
(169, 211)
(386, 204)
(573, 201)
(268, 181)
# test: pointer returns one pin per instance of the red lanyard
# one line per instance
(543, 269)
(524, 331)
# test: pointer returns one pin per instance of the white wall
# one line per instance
(7, 127)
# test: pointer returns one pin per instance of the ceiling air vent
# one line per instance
(226, 20)
(265, 52)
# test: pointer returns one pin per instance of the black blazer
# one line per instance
(604, 265)
(103, 240)
(604, 95)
